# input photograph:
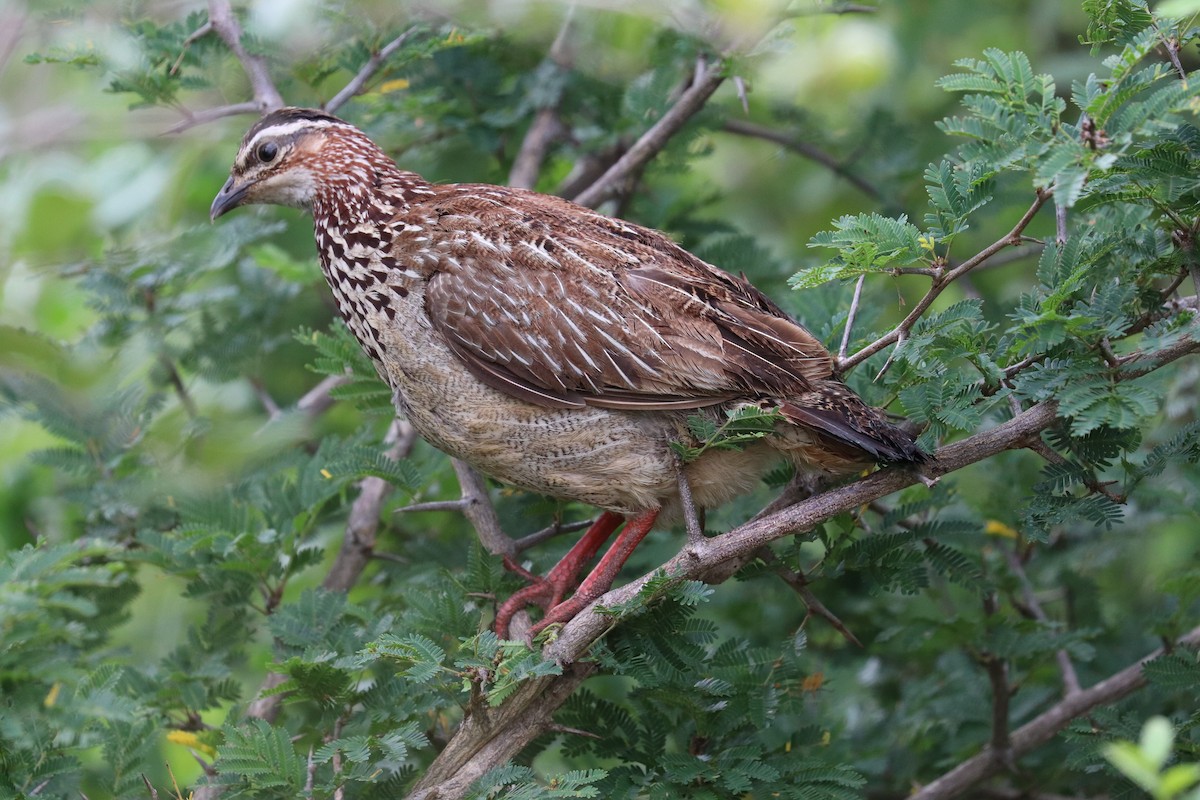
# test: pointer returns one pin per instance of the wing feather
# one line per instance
(571, 308)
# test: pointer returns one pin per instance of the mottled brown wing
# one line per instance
(570, 308)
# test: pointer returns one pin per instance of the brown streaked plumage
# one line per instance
(550, 346)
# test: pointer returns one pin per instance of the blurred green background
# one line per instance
(103, 207)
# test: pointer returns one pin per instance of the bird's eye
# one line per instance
(267, 151)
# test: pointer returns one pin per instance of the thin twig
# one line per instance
(435, 505)
(804, 149)
(549, 532)
(799, 583)
(850, 315)
(1029, 599)
(176, 381)
(691, 516)
(1172, 48)
(997, 672)
(894, 336)
(268, 403)
(318, 400)
(193, 118)
(1060, 223)
(199, 33)
(368, 70)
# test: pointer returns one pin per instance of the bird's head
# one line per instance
(289, 156)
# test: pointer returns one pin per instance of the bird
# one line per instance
(555, 348)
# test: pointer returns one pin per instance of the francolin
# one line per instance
(552, 347)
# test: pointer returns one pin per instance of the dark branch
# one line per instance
(804, 149)
(1045, 726)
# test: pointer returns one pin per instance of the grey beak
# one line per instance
(226, 199)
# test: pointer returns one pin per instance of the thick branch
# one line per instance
(483, 740)
(266, 96)
(656, 138)
(473, 746)
(491, 736)
(477, 508)
(1045, 726)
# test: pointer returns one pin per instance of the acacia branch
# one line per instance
(368, 70)
(546, 126)
(656, 138)
(266, 96)
(939, 284)
(804, 149)
(478, 509)
(1070, 678)
(482, 735)
(1045, 726)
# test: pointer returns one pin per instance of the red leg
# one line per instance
(547, 592)
(602, 577)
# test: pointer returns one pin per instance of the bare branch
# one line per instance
(549, 532)
(368, 70)
(546, 126)
(318, 399)
(268, 402)
(653, 140)
(804, 149)
(192, 119)
(488, 737)
(480, 513)
(1043, 728)
(436, 505)
(799, 583)
(1013, 237)
(199, 33)
(176, 381)
(997, 672)
(266, 96)
(691, 515)
(362, 526)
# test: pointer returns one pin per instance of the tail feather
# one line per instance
(838, 415)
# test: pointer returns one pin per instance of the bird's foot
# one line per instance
(545, 593)
(548, 592)
(602, 577)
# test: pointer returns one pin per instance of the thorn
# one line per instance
(740, 84)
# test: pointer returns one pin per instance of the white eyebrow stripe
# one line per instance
(287, 128)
